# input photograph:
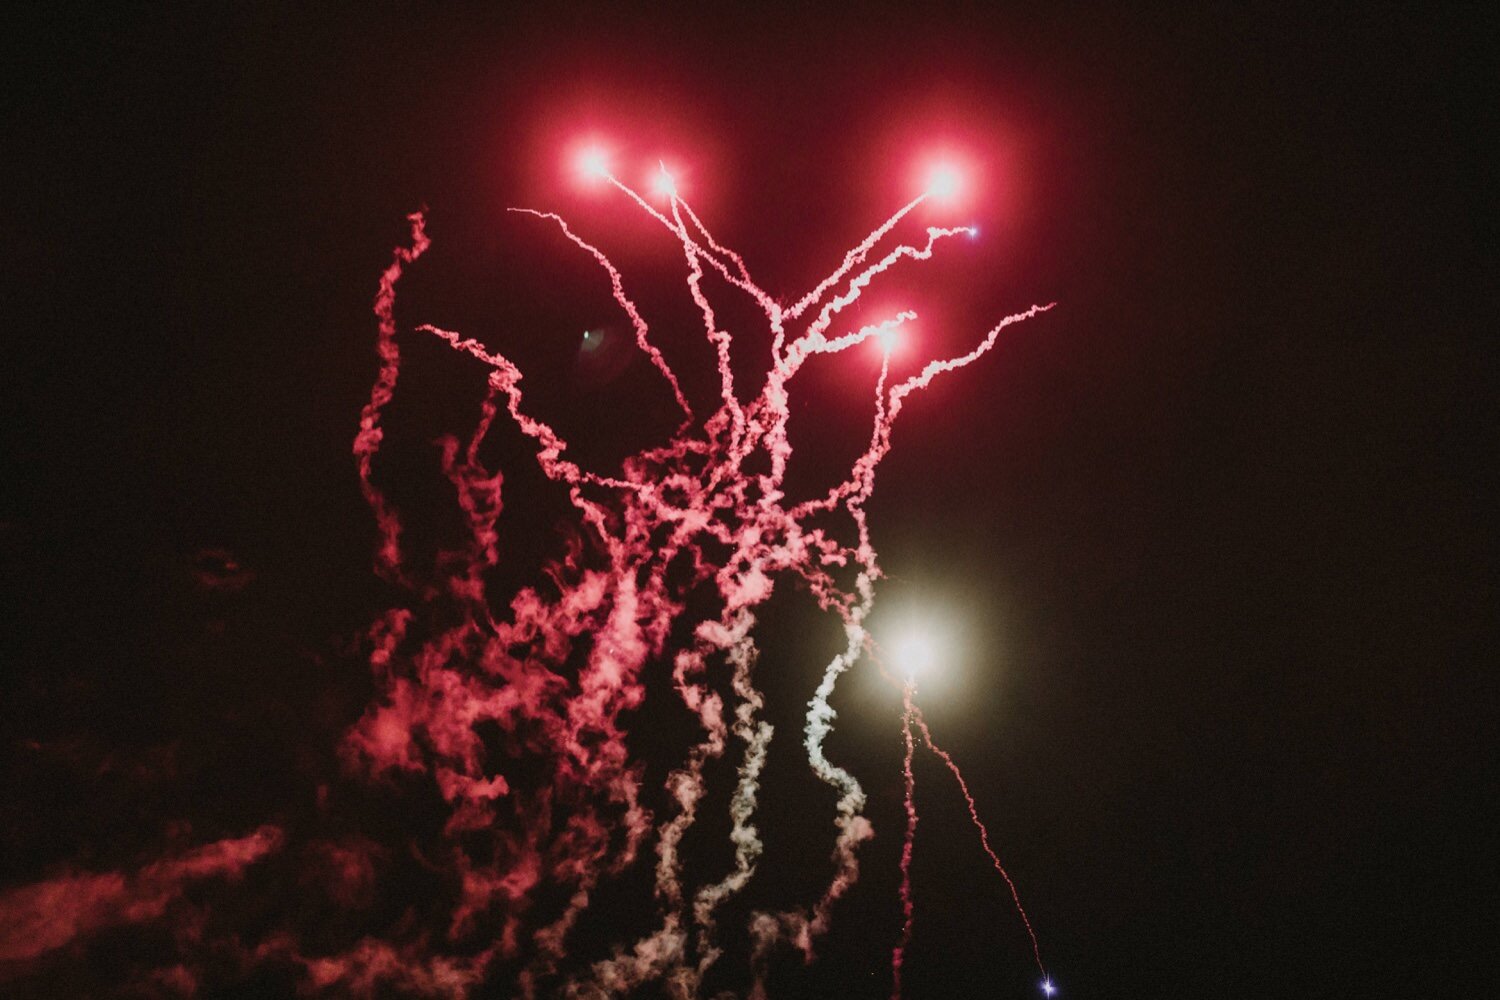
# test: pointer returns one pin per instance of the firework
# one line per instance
(511, 711)
(711, 498)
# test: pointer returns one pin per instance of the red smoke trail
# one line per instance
(367, 442)
(898, 954)
(984, 838)
(44, 916)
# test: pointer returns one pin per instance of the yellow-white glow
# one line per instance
(915, 651)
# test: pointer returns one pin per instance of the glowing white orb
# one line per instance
(593, 163)
(1048, 988)
(915, 652)
(944, 181)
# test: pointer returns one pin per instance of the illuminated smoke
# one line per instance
(44, 916)
(693, 502)
(367, 442)
(511, 711)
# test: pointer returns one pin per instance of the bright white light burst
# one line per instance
(943, 182)
(915, 652)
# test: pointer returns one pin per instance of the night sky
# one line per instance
(1216, 531)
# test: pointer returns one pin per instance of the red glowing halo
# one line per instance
(944, 181)
(591, 161)
(947, 178)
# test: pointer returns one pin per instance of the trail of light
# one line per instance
(756, 735)
(478, 494)
(984, 837)
(744, 284)
(719, 338)
(898, 953)
(785, 367)
(617, 288)
(861, 281)
(934, 368)
(734, 258)
(367, 441)
(861, 482)
(854, 258)
(662, 953)
(852, 825)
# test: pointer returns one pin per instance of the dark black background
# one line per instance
(1218, 526)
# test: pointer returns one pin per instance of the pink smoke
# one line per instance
(45, 916)
(694, 501)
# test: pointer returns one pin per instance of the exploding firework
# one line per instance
(705, 511)
(514, 714)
